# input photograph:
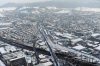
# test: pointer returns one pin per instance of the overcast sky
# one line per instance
(20, 1)
(27, 1)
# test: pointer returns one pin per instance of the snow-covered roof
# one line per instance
(36, 7)
(42, 56)
(97, 48)
(5, 23)
(67, 35)
(28, 59)
(63, 11)
(48, 64)
(45, 64)
(64, 35)
(42, 43)
(58, 33)
(76, 40)
(88, 9)
(36, 12)
(51, 7)
(7, 9)
(10, 48)
(22, 8)
(95, 35)
(1, 15)
(2, 64)
(2, 50)
(14, 56)
(89, 44)
(3, 28)
(79, 47)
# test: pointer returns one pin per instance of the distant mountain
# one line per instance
(13, 4)
(65, 4)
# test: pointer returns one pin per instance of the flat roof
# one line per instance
(79, 47)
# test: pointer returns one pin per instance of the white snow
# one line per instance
(51, 7)
(76, 40)
(42, 56)
(28, 59)
(48, 64)
(95, 35)
(42, 43)
(67, 35)
(2, 50)
(1, 15)
(10, 48)
(4, 28)
(88, 9)
(59, 47)
(7, 9)
(45, 64)
(63, 11)
(58, 33)
(24, 8)
(36, 7)
(2, 64)
(79, 47)
(35, 12)
(89, 44)
(96, 42)
(97, 48)
(5, 23)
(24, 11)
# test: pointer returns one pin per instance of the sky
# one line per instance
(25, 1)
(67, 1)
(20, 1)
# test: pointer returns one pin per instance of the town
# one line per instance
(49, 36)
